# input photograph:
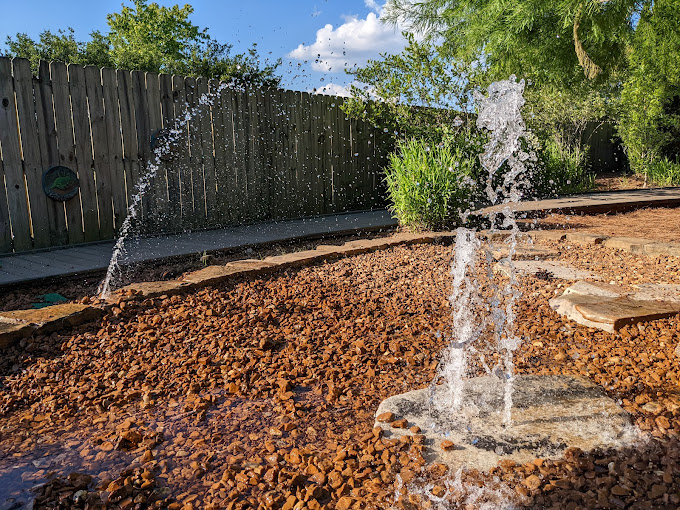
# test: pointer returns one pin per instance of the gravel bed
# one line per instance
(261, 394)
(659, 224)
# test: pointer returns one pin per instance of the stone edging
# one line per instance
(635, 245)
(16, 325)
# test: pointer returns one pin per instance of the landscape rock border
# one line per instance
(19, 324)
(637, 245)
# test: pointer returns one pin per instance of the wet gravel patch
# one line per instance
(261, 393)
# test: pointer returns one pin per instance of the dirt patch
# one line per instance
(618, 181)
(261, 394)
(660, 224)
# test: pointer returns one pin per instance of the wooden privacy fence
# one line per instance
(606, 152)
(246, 156)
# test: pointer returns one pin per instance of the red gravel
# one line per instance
(261, 394)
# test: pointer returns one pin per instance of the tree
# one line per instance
(417, 93)
(149, 37)
(62, 47)
(560, 42)
(650, 100)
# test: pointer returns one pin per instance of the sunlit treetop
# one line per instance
(149, 37)
(551, 42)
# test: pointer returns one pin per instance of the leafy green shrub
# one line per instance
(430, 186)
(562, 170)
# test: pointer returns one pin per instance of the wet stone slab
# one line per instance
(610, 307)
(52, 318)
(550, 414)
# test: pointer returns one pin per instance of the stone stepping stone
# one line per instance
(610, 307)
(23, 323)
(524, 253)
(549, 415)
(546, 269)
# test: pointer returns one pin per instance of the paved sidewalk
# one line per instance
(26, 267)
(598, 202)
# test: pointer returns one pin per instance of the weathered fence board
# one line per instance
(180, 160)
(84, 157)
(12, 162)
(203, 122)
(23, 86)
(158, 187)
(114, 146)
(245, 155)
(126, 107)
(100, 149)
(49, 151)
(173, 206)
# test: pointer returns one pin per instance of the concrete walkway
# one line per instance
(32, 266)
(598, 202)
(27, 267)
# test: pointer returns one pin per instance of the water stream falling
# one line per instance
(506, 162)
(173, 136)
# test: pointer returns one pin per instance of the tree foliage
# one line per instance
(560, 42)
(149, 37)
(650, 100)
(417, 93)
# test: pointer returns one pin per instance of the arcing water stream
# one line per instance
(174, 135)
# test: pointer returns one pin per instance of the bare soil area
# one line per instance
(660, 224)
(261, 393)
(619, 181)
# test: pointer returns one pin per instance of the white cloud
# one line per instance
(352, 43)
(373, 5)
(333, 89)
(336, 89)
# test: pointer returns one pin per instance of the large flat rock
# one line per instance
(548, 269)
(52, 318)
(610, 307)
(549, 415)
(524, 253)
(11, 333)
(213, 275)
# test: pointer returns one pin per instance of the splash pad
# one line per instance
(475, 423)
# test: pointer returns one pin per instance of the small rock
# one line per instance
(532, 482)
(385, 417)
(447, 444)
(399, 424)
(652, 407)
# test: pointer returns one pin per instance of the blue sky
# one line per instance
(342, 32)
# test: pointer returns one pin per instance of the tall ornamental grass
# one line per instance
(430, 186)
(562, 170)
(663, 172)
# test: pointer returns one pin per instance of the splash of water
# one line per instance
(173, 137)
(506, 163)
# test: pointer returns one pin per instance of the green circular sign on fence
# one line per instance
(60, 183)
